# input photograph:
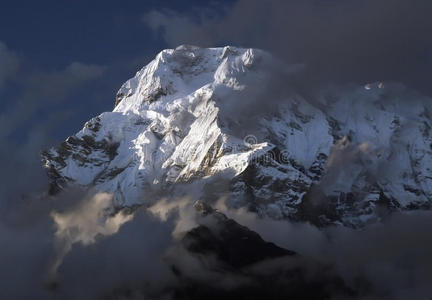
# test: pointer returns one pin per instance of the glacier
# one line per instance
(191, 117)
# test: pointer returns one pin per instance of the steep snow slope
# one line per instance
(343, 159)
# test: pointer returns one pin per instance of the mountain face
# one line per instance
(211, 118)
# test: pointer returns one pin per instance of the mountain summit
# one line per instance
(220, 120)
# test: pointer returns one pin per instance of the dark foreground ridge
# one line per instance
(225, 260)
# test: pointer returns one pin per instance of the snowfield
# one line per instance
(342, 158)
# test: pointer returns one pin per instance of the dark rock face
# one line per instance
(118, 99)
(80, 149)
(244, 266)
(233, 244)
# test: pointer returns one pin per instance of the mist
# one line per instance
(130, 254)
(387, 260)
(339, 42)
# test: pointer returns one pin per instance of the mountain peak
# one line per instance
(176, 122)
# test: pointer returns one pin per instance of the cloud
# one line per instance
(9, 64)
(130, 261)
(54, 86)
(176, 28)
(114, 254)
(27, 118)
(85, 222)
(338, 41)
(346, 161)
(387, 260)
(110, 250)
(186, 214)
(40, 89)
(26, 252)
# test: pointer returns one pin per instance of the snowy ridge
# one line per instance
(360, 150)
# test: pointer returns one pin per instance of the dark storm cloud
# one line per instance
(383, 261)
(388, 260)
(99, 263)
(338, 41)
(131, 259)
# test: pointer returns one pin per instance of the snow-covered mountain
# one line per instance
(348, 157)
